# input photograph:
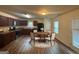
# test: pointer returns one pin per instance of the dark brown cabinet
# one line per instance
(35, 23)
(6, 38)
(25, 31)
(4, 21)
(21, 23)
(11, 22)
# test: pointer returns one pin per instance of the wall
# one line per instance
(65, 28)
(40, 20)
(47, 24)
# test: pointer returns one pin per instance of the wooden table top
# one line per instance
(42, 33)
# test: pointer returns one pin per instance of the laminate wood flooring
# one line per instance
(22, 46)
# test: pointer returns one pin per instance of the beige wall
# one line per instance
(47, 24)
(40, 20)
(65, 28)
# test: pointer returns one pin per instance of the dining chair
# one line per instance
(42, 29)
(51, 38)
(35, 36)
(32, 37)
(34, 31)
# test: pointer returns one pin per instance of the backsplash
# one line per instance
(4, 29)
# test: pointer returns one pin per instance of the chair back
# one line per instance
(32, 36)
(34, 31)
(53, 36)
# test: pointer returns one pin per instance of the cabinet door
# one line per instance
(23, 23)
(1, 21)
(11, 22)
(35, 23)
(1, 40)
(4, 21)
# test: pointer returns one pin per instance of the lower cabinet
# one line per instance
(25, 31)
(6, 38)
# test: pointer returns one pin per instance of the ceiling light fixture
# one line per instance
(28, 16)
(43, 13)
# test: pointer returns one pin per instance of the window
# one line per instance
(14, 23)
(30, 24)
(56, 28)
(75, 33)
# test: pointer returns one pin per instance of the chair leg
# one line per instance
(34, 41)
(51, 42)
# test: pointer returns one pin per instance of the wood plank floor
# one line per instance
(22, 46)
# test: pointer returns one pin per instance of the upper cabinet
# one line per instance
(11, 22)
(35, 23)
(21, 23)
(4, 21)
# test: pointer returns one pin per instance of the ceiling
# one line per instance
(36, 10)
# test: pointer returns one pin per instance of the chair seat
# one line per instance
(37, 38)
(51, 37)
(47, 38)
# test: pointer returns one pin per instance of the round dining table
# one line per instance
(42, 35)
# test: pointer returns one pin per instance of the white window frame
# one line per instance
(75, 33)
(56, 29)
